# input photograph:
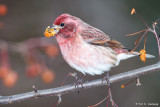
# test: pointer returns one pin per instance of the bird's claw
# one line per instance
(106, 78)
(79, 82)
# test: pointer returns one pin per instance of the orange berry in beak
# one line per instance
(51, 31)
(47, 34)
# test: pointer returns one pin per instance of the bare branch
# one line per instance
(21, 47)
(70, 88)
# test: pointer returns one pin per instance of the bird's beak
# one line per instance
(52, 30)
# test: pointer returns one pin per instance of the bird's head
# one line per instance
(64, 26)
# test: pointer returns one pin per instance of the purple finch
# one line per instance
(86, 48)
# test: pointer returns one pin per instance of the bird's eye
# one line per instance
(62, 24)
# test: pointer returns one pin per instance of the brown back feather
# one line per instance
(95, 36)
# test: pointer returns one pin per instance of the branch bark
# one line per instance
(70, 88)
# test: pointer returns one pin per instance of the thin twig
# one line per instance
(99, 102)
(157, 38)
(70, 88)
(140, 40)
(136, 32)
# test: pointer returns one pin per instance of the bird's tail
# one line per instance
(127, 55)
(147, 55)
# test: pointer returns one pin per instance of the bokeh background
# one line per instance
(26, 19)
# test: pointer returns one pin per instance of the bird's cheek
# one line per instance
(66, 36)
(65, 33)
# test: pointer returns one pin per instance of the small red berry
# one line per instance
(3, 10)
(4, 72)
(33, 70)
(51, 50)
(11, 79)
(48, 76)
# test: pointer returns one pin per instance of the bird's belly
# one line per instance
(90, 59)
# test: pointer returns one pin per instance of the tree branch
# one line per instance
(22, 47)
(70, 88)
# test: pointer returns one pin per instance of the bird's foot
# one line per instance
(106, 78)
(79, 81)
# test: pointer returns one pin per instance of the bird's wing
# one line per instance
(94, 36)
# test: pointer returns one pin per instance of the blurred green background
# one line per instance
(29, 18)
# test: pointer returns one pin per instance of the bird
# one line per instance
(86, 48)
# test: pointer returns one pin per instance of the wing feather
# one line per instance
(97, 37)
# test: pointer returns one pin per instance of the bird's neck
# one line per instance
(63, 41)
(69, 46)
